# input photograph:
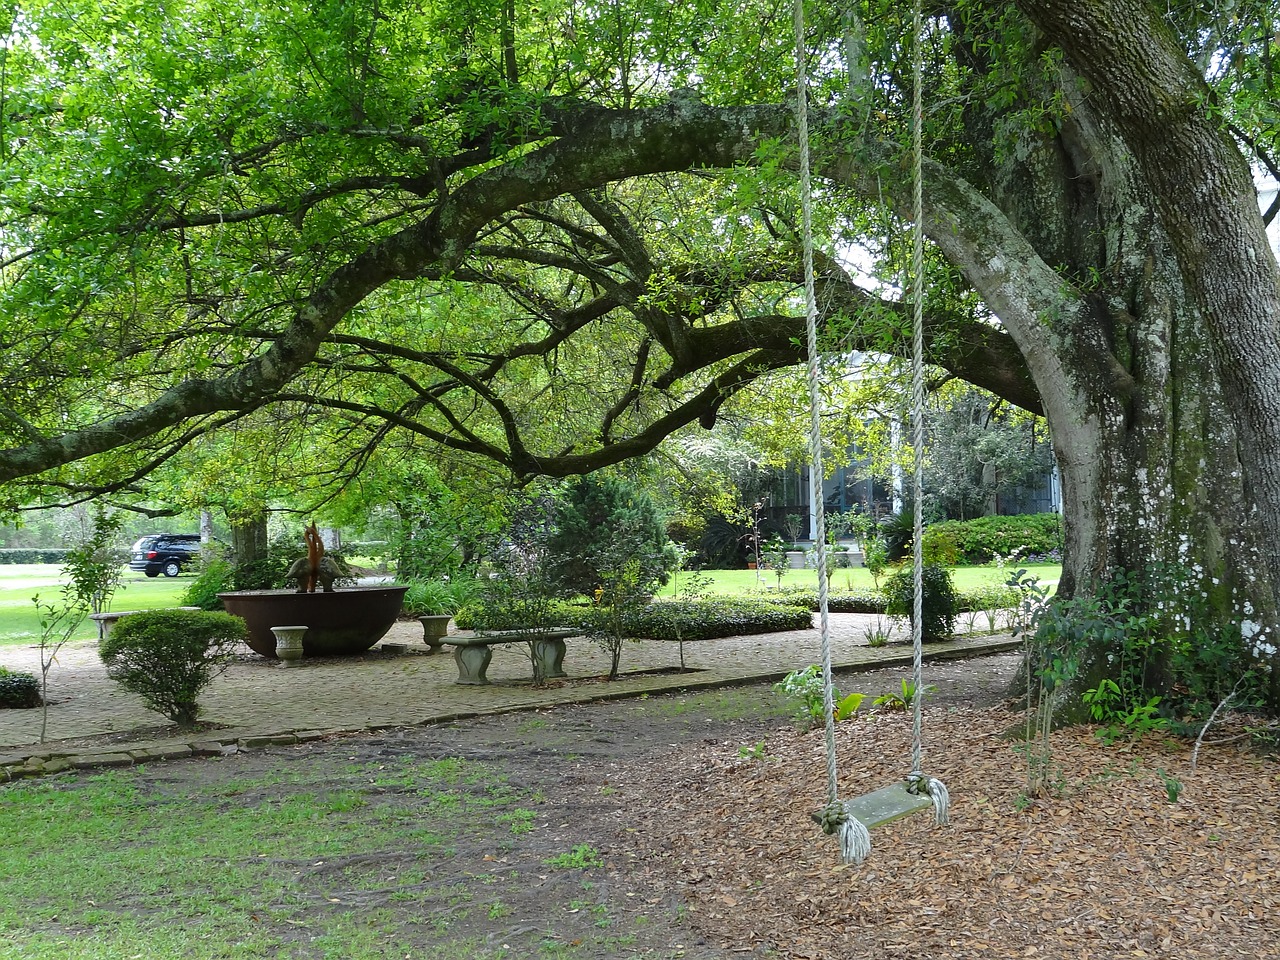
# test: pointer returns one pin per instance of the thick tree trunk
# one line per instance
(249, 540)
(1190, 456)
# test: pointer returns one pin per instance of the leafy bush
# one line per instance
(18, 690)
(937, 602)
(215, 576)
(439, 597)
(984, 539)
(168, 656)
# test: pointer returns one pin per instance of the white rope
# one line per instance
(916, 780)
(816, 468)
(917, 384)
(854, 837)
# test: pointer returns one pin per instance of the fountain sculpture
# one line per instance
(341, 622)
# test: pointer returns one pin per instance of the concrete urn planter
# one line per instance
(435, 627)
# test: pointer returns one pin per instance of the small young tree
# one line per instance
(94, 566)
(168, 656)
(775, 559)
(92, 570)
(623, 592)
(58, 621)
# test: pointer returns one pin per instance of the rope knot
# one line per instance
(935, 790)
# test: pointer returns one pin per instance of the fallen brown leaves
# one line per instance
(1103, 867)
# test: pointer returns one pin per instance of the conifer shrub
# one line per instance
(938, 600)
(167, 657)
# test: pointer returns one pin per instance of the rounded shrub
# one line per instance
(168, 656)
(18, 690)
(937, 601)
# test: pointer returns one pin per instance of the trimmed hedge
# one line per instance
(18, 690)
(665, 619)
(713, 618)
(31, 555)
(993, 597)
(847, 602)
(982, 539)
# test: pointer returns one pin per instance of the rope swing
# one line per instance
(851, 820)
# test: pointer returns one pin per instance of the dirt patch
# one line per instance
(678, 826)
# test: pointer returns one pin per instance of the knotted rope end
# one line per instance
(855, 839)
(936, 791)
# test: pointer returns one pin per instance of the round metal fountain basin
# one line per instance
(343, 623)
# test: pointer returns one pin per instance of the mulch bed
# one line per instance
(1102, 866)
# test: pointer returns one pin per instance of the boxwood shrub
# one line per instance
(18, 690)
(168, 656)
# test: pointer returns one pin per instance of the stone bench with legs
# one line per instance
(106, 621)
(473, 654)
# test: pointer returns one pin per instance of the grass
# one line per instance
(20, 582)
(111, 867)
(854, 579)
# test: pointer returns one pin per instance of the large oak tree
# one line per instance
(553, 235)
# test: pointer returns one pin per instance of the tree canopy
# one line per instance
(552, 235)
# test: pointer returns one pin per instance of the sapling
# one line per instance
(92, 571)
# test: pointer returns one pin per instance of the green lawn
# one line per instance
(20, 582)
(856, 579)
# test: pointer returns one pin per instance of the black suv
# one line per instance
(165, 553)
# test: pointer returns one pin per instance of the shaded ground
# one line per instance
(677, 826)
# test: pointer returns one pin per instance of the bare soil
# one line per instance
(698, 808)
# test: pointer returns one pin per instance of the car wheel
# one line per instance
(172, 568)
(152, 573)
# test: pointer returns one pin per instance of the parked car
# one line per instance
(165, 553)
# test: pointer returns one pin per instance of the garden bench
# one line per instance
(106, 621)
(473, 653)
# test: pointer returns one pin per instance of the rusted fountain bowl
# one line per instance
(344, 623)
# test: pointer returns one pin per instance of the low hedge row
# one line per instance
(664, 619)
(714, 617)
(31, 555)
(993, 597)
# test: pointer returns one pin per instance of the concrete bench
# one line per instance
(473, 653)
(106, 621)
